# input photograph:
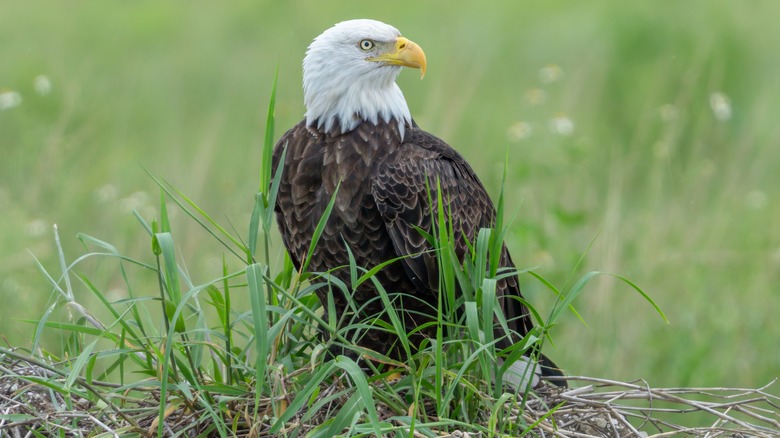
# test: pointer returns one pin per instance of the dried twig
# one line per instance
(593, 407)
(601, 407)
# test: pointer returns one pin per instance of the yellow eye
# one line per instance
(366, 45)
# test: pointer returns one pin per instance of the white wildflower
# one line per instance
(551, 73)
(10, 99)
(36, 228)
(42, 85)
(519, 131)
(136, 201)
(10, 285)
(561, 125)
(774, 256)
(150, 211)
(668, 112)
(543, 258)
(662, 150)
(536, 96)
(721, 106)
(106, 193)
(707, 168)
(116, 294)
(756, 200)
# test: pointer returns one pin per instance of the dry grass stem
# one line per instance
(594, 407)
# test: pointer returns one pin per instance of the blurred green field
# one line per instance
(648, 129)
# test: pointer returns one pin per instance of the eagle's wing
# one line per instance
(297, 196)
(401, 192)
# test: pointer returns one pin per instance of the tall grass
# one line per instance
(650, 179)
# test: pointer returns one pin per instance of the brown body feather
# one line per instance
(381, 203)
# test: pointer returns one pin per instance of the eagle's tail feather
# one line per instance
(526, 369)
(551, 372)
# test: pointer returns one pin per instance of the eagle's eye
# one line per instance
(366, 45)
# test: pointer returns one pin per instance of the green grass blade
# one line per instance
(353, 268)
(79, 363)
(497, 237)
(165, 224)
(498, 406)
(117, 316)
(358, 378)
(268, 211)
(254, 276)
(63, 265)
(489, 308)
(171, 269)
(173, 192)
(482, 260)
(373, 271)
(303, 396)
(320, 227)
(557, 292)
(395, 320)
(472, 320)
(345, 419)
(254, 227)
(268, 141)
(641, 292)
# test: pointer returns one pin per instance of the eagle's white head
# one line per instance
(349, 75)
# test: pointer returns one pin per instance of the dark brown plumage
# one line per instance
(381, 199)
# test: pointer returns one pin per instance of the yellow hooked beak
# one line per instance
(406, 53)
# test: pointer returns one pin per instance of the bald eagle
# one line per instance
(359, 142)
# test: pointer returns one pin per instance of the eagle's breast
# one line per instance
(319, 166)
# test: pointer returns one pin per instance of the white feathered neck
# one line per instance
(341, 88)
